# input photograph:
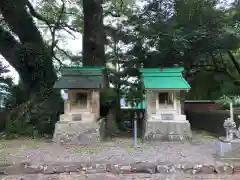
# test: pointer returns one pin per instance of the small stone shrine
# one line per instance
(81, 86)
(164, 119)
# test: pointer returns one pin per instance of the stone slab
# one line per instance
(227, 148)
(138, 167)
(76, 132)
(168, 130)
(223, 139)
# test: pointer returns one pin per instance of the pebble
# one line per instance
(121, 177)
(121, 151)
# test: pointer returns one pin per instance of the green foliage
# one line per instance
(134, 95)
(35, 117)
(204, 86)
(194, 34)
(108, 97)
(226, 100)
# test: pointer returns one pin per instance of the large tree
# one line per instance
(23, 46)
(93, 36)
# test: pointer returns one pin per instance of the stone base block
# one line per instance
(227, 148)
(168, 130)
(76, 132)
(78, 116)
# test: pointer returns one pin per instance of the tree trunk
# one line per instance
(24, 48)
(234, 61)
(93, 36)
(93, 48)
(30, 57)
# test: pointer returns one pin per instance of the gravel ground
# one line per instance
(122, 177)
(117, 151)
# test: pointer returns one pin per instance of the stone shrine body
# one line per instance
(82, 105)
(164, 117)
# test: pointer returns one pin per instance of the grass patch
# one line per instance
(129, 149)
(202, 135)
(90, 150)
(31, 144)
(5, 136)
(5, 153)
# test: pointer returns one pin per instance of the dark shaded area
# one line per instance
(210, 121)
(128, 120)
(3, 117)
(188, 106)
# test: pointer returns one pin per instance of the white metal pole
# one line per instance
(135, 131)
(231, 111)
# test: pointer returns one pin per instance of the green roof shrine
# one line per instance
(81, 87)
(164, 78)
(80, 78)
(164, 90)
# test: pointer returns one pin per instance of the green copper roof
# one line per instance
(164, 78)
(85, 68)
(165, 70)
(80, 78)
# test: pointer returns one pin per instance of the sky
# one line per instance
(75, 45)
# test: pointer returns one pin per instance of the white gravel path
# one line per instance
(118, 151)
(122, 177)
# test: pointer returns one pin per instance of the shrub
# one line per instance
(36, 117)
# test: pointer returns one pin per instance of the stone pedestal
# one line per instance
(78, 123)
(223, 147)
(76, 132)
(168, 130)
(227, 148)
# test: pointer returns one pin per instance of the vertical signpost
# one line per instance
(231, 111)
(135, 130)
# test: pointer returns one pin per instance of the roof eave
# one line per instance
(180, 89)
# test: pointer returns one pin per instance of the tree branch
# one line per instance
(235, 63)
(8, 47)
(37, 71)
(64, 52)
(59, 61)
(55, 28)
(36, 14)
(14, 13)
(50, 22)
(211, 68)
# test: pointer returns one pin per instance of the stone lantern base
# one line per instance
(78, 132)
(168, 130)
